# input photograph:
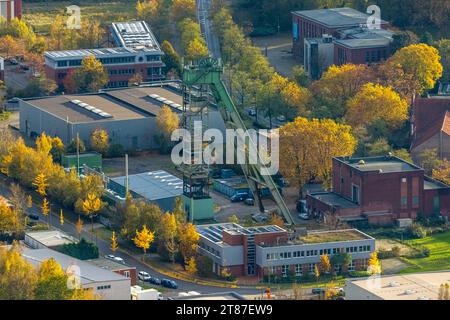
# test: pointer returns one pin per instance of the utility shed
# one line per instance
(92, 160)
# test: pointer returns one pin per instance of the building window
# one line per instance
(284, 270)
(436, 205)
(404, 201)
(312, 266)
(126, 274)
(351, 266)
(298, 270)
(106, 287)
(355, 194)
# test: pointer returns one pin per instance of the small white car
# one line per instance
(144, 276)
(119, 260)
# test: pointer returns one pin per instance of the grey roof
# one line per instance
(431, 184)
(211, 296)
(333, 199)
(89, 272)
(98, 53)
(364, 43)
(214, 232)
(134, 34)
(336, 17)
(153, 185)
(385, 164)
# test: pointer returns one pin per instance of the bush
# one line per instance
(82, 250)
(358, 274)
(416, 231)
(116, 150)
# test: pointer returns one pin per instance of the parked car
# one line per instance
(281, 118)
(169, 284)
(110, 256)
(119, 260)
(144, 276)
(239, 197)
(252, 112)
(23, 66)
(33, 216)
(154, 280)
(249, 201)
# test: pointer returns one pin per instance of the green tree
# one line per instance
(171, 59)
(52, 282)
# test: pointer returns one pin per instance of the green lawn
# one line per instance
(41, 15)
(439, 259)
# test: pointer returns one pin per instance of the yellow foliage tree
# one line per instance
(91, 206)
(374, 265)
(100, 140)
(29, 201)
(40, 182)
(413, 69)
(91, 76)
(167, 233)
(325, 264)
(61, 217)
(276, 220)
(182, 9)
(196, 49)
(376, 103)
(188, 239)
(308, 146)
(144, 239)
(45, 207)
(114, 244)
(191, 265)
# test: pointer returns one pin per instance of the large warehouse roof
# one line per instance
(153, 185)
(109, 105)
(75, 108)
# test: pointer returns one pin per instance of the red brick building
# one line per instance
(380, 190)
(10, 9)
(348, 39)
(431, 126)
(272, 251)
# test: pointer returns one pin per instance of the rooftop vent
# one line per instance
(409, 292)
(394, 284)
(361, 162)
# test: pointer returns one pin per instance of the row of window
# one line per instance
(106, 287)
(375, 56)
(310, 267)
(117, 60)
(209, 249)
(315, 253)
(121, 71)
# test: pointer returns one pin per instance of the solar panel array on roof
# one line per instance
(92, 109)
(135, 34)
(214, 232)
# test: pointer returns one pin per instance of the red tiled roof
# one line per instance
(431, 116)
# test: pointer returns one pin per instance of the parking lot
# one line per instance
(15, 77)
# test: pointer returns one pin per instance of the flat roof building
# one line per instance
(119, 268)
(273, 251)
(47, 239)
(417, 286)
(109, 285)
(159, 187)
(138, 52)
(380, 190)
(128, 115)
(351, 40)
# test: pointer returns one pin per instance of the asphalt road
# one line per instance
(104, 249)
(207, 29)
